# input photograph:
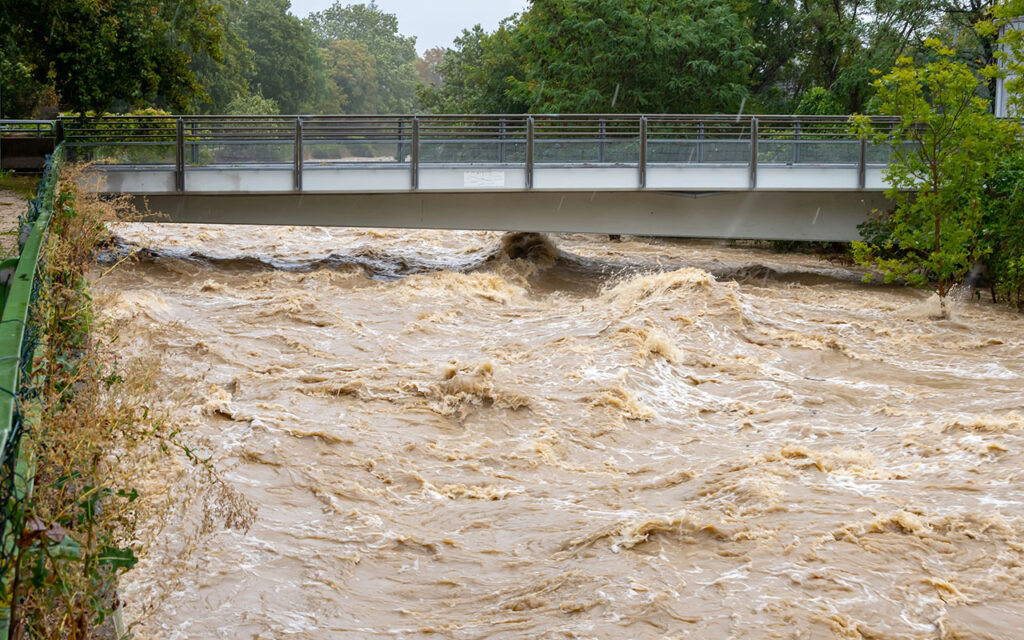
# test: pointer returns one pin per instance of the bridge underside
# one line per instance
(764, 215)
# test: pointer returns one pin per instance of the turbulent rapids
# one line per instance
(469, 435)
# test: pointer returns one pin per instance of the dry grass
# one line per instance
(104, 453)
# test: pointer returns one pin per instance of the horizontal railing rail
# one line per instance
(184, 143)
(27, 128)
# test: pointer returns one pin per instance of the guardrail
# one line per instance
(24, 144)
(28, 128)
(410, 142)
(18, 339)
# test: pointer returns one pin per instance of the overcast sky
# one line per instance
(435, 23)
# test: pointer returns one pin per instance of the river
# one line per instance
(472, 435)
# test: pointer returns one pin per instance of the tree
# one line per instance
(394, 54)
(681, 56)
(819, 102)
(20, 90)
(230, 76)
(426, 67)
(252, 105)
(114, 53)
(775, 29)
(287, 64)
(945, 145)
(1003, 228)
(1012, 59)
(477, 74)
(352, 74)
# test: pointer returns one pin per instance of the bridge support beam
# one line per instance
(775, 215)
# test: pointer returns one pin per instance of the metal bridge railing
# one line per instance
(27, 128)
(411, 143)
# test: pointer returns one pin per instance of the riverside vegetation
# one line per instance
(955, 178)
(95, 434)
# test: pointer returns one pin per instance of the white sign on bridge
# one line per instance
(484, 179)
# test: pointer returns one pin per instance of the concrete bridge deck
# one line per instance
(781, 177)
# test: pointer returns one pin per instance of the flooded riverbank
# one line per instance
(471, 435)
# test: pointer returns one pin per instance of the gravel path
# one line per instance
(12, 205)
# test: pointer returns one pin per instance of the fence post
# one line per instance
(862, 165)
(298, 153)
(179, 156)
(643, 152)
(415, 163)
(58, 131)
(529, 151)
(753, 153)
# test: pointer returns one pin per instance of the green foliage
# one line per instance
(944, 148)
(230, 75)
(287, 64)
(819, 102)
(426, 66)
(629, 56)
(477, 74)
(1003, 230)
(23, 185)
(774, 28)
(352, 76)
(21, 92)
(1012, 58)
(116, 52)
(252, 105)
(394, 55)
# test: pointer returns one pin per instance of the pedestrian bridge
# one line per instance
(769, 177)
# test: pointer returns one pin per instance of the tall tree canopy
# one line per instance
(633, 56)
(477, 74)
(352, 75)
(601, 55)
(394, 55)
(227, 77)
(692, 54)
(288, 67)
(102, 54)
(558, 55)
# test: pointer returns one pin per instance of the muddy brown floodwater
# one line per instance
(469, 435)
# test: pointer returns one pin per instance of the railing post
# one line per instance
(862, 165)
(298, 153)
(796, 142)
(179, 155)
(529, 151)
(58, 131)
(415, 160)
(601, 142)
(753, 153)
(643, 152)
(399, 154)
(501, 143)
(195, 143)
(700, 142)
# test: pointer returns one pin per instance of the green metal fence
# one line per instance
(19, 334)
